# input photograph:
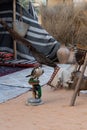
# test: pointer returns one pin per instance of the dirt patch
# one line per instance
(54, 114)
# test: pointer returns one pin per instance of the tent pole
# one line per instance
(14, 18)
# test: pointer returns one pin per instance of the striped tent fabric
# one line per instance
(32, 11)
(36, 35)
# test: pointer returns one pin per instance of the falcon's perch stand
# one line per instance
(41, 58)
(79, 82)
(36, 87)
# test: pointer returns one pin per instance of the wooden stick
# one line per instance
(79, 82)
(14, 18)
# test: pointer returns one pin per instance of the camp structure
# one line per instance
(40, 39)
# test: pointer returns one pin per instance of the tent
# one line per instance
(36, 35)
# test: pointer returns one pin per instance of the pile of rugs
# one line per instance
(5, 56)
(7, 59)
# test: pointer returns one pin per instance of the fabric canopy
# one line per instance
(36, 35)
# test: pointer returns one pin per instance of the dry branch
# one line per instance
(77, 87)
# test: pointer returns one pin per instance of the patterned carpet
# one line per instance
(4, 70)
(9, 92)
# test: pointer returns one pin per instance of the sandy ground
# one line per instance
(54, 114)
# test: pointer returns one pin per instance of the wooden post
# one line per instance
(14, 18)
(79, 82)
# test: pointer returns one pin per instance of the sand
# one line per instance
(55, 114)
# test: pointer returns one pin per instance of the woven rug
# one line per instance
(4, 70)
(9, 92)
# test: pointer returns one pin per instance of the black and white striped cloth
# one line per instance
(32, 11)
(36, 35)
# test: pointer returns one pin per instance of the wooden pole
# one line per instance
(14, 18)
(79, 82)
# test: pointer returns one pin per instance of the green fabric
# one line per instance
(37, 87)
(32, 80)
(39, 92)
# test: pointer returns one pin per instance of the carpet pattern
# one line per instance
(4, 70)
